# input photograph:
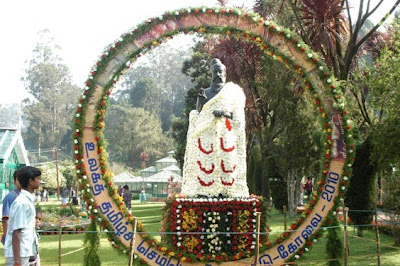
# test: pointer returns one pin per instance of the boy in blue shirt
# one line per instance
(7, 201)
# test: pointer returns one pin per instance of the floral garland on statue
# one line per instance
(332, 87)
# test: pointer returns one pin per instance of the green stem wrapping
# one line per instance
(334, 245)
(91, 244)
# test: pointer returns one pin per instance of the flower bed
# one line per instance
(216, 229)
(51, 223)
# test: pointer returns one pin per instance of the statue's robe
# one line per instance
(215, 158)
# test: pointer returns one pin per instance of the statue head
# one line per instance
(218, 71)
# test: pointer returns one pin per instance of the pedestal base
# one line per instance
(214, 228)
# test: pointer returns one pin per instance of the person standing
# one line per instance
(7, 201)
(45, 195)
(37, 194)
(64, 196)
(308, 187)
(143, 196)
(120, 190)
(20, 239)
(127, 196)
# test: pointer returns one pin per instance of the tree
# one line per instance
(132, 130)
(158, 84)
(49, 110)
(391, 201)
(323, 25)
(362, 187)
(382, 78)
(380, 81)
(146, 95)
(10, 115)
(68, 170)
(49, 175)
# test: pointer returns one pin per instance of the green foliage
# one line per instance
(91, 244)
(50, 109)
(391, 201)
(334, 245)
(158, 85)
(132, 130)
(278, 193)
(362, 189)
(49, 175)
(10, 115)
(68, 170)
(382, 80)
(145, 94)
(179, 130)
(254, 170)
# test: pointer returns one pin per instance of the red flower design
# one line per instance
(205, 170)
(204, 184)
(223, 147)
(224, 169)
(202, 149)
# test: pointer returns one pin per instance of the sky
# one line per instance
(83, 28)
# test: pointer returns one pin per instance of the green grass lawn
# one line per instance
(150, 215)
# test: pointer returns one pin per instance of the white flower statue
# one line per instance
(215, 158)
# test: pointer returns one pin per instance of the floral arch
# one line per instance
(103, 202)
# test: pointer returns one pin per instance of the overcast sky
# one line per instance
(81, 27)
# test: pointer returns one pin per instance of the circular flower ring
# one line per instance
(104, 203)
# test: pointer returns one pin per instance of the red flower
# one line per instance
(293, 226)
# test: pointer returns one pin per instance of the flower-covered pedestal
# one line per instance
(213, 229)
